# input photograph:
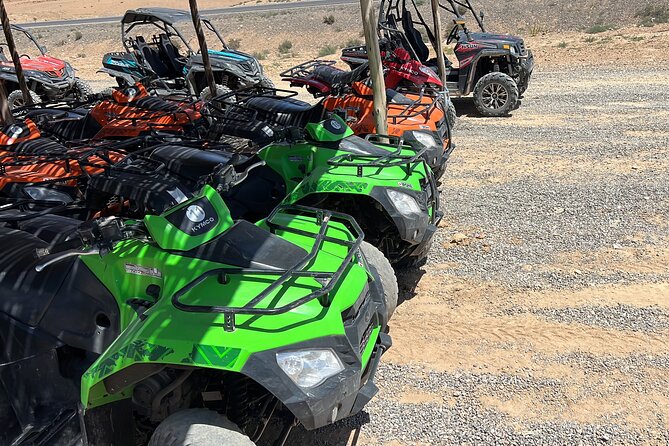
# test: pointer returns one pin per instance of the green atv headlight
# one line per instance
(309, 368)
(405, 203)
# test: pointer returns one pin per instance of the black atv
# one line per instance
(494, 68)
(48, 78)
(168, 57)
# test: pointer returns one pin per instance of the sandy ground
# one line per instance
(26, 11)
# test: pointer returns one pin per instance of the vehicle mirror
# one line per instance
(481, 14)
(42, 48)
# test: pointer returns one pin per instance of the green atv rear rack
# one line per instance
(297, 270)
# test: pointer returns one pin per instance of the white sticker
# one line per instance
(143, 271)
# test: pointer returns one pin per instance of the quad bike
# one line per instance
(36, 168)
(305, 167)
(385, 185)
(161, 56)
(186, 327)
(48, 78)
(129, 113)
(417, 115)
(494, 68)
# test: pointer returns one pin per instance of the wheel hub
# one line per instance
(494, 96)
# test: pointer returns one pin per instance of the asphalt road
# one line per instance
(206, 12)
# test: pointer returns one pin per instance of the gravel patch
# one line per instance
(620, 317)
(465, 421)
(529, 219)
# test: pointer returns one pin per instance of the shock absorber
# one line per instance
(238, 400)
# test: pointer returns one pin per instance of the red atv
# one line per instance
(48, 78)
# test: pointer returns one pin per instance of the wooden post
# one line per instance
(5, 114)
(195, 14)
(375, 66)
(439, 41)
(7, 28)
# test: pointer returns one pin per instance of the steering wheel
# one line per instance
(25, 55)
(453, 35)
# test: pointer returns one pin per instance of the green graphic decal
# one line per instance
(333, 186)
(212, 355)
(137, 351)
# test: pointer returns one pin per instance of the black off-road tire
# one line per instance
(266, 82)
(198, 427)
(495, 94)
(385, 281)
(451, 115)
(206, 95)
(107, 92)
(83, 89)
(15, 99)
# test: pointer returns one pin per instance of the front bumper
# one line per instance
(526, 68)
(341, 395)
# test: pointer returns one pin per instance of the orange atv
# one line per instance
(39, 169)
(416, 114)
(130, 112)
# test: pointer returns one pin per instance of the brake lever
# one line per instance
(64, 255)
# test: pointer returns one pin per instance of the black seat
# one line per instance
(191, 163)
(151, 57)
(414, 37)
(154, 103)
(50, 228)
(39, 146)
(336, 77)
(283, 111)
(170, 54)
(392, 23)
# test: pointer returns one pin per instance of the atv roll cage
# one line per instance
(29, 36)
(297, 270)
(165, 20)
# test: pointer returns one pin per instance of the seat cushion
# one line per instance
(334, 76)
(191, 163)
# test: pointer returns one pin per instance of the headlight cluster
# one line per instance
(405, 203)
(47, 194)
(309, 368)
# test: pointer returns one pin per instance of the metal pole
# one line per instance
(5, 114)
(375, 66)
(439, 44)
(6, 27)
(211, 82)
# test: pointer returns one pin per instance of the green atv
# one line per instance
(186, 327)
(383, 183)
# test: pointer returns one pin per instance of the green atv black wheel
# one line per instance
(495, 94)
(385, 281)
(198, 427)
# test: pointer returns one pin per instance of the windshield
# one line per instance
(25, 45)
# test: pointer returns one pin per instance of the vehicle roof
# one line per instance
(151, 15)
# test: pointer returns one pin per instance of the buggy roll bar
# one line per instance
(297, 270)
